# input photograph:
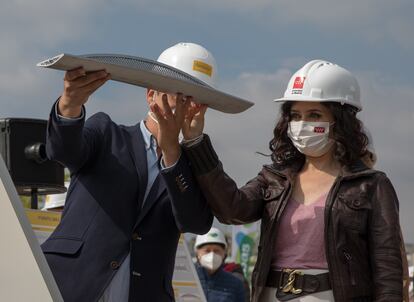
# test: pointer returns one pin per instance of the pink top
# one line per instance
(300, 240)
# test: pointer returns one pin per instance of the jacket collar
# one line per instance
(206, 274)
(289, 172)
(137, 150)
(149, 139)
(355, 170)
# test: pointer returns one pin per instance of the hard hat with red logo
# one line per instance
(213, 236)
(193, 59)
(323, 81)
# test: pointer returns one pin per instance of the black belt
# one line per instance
(292, 284)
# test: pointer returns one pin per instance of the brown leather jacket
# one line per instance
(362, 231)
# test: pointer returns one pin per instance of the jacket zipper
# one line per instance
(274, 227)
(349, 261)
(328, 210)
(286, 195)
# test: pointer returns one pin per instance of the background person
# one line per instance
(330, 225)
(124, 213)
(218, 285)
(237, 270)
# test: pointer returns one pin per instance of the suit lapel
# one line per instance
(136, 146)
(154, 194)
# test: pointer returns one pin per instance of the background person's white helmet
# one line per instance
(213, 236)
(323, 81)
(193, 59)
(54, 201)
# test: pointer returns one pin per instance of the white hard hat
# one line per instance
(55, 200)
(323, 81)
(213, 236)
(193, 59)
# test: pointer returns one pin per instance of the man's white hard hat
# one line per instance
(193, 59)
(323, 81)
(213, 236)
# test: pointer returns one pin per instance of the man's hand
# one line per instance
(169, 127)
(194, 120)
(78, 86)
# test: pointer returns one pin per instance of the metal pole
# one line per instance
(34, 201)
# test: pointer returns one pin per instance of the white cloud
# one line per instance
(44, 21)
(238, 137)
(389, 111)
(28, 30)
(377, 21)
(401, 30)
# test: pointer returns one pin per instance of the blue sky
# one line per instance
(257, 45)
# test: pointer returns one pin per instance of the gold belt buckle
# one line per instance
(289, 287)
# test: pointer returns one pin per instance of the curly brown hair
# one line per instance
(350, 140)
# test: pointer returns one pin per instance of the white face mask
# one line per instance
(211, 261)
(152, 114)
(310, 138)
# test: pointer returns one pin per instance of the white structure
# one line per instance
(24, 273)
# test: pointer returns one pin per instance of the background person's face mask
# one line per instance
(211, 261)
(310, 138)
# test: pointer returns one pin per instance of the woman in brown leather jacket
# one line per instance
(329, 224)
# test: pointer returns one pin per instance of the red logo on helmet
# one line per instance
(298, 83)
(319, 130)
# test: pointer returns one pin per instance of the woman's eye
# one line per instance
(294, 117)
(315, 116)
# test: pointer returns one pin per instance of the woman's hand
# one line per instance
(193, 124)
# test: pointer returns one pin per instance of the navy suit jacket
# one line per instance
(103, 221)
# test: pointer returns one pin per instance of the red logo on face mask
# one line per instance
(319, 130)
(298, 83)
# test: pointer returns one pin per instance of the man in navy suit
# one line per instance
(132, 194)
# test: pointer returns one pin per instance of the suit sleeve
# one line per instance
(74, 142)
(229, 204)
(190, 209)
(385, 243)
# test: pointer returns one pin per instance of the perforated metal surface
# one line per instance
(144, 64)
(150, 74)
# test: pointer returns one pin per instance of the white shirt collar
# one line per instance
(149, 139)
